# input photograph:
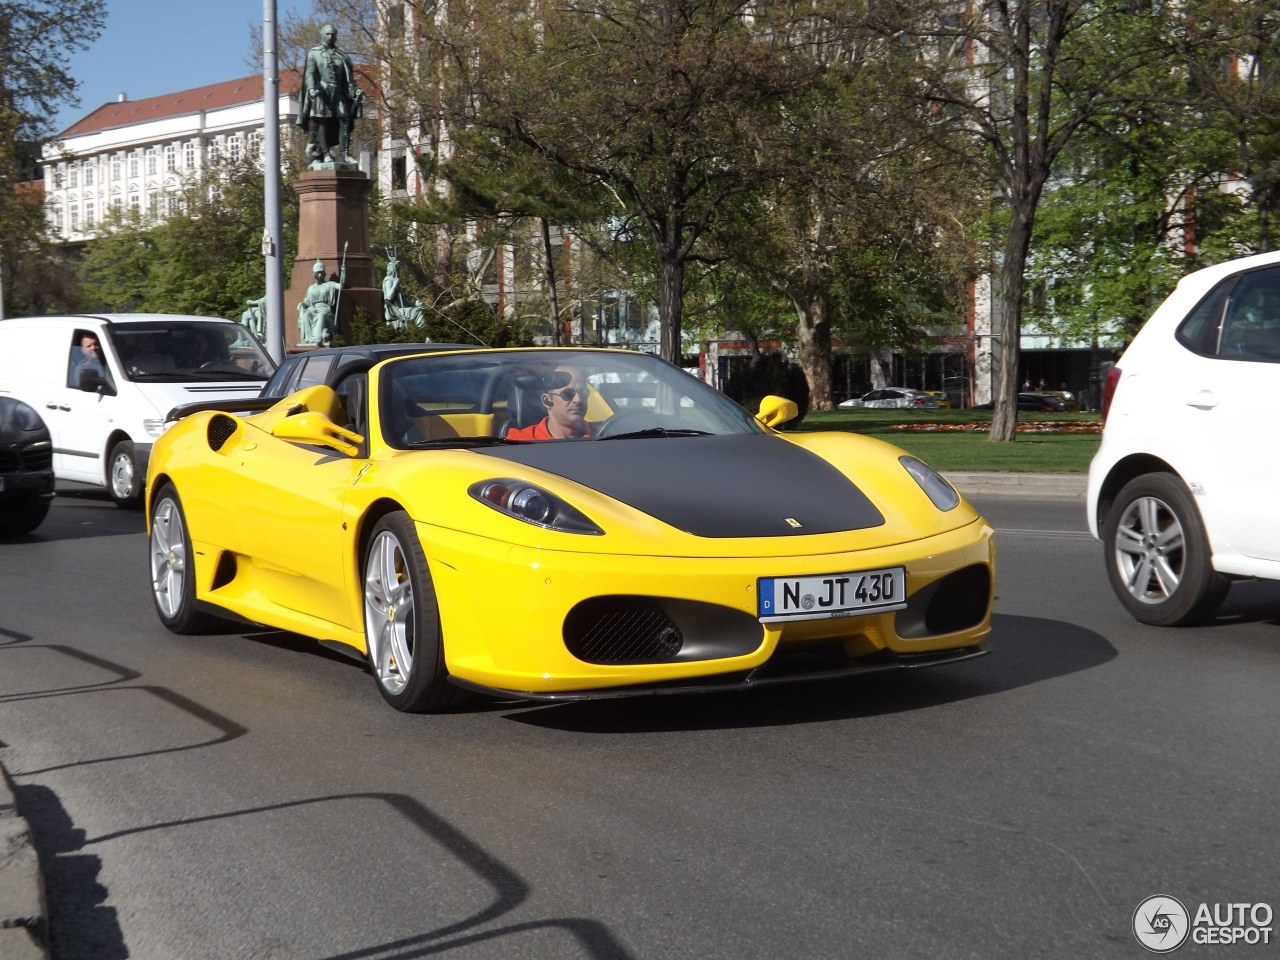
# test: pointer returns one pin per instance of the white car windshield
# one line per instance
(189, 350)
(524, 395)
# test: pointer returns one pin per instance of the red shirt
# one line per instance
(540, 431)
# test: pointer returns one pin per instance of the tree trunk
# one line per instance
(813, 349)
(670, 304)
(1004, 416)
(551, 282)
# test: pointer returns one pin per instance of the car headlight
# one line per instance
(25, 418)
(942, 494)
(154, 427)
(530, 503)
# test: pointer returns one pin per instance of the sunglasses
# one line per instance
(568, 393)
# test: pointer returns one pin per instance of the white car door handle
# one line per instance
(1202, 400)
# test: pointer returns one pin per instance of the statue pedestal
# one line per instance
(333, 211)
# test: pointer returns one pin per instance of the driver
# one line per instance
(564, 394)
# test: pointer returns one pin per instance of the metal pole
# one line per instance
(272, 233)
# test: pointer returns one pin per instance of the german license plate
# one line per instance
(832, 595)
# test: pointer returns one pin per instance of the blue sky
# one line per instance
(149, 48)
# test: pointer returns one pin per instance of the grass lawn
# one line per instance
(957, 452)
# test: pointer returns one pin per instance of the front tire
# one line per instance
(1158, 556)
(402, 621)
(173, 574)
(124, 479)
(23, 514)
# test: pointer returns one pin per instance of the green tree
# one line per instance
(37, 39)
(1012, 83)
(203, 258)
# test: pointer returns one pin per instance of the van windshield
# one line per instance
(187, 350)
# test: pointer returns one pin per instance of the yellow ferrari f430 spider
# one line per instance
(562, 524)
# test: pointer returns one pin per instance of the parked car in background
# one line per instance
(26, 468)
(894, 398)
(103, 384)
(1038, 402)
(1182, 490)
(944, 398)
(1069, 401)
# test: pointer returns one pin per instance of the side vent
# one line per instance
(221, 429)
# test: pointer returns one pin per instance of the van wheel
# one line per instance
(124, 479)
(1158, 556)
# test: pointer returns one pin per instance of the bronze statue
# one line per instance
(318, 310)
(400, 310)
(254, 317)
(331, 101)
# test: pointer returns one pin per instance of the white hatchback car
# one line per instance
(1182, 490)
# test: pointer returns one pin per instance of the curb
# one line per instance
(22, 904)
(1049, 486)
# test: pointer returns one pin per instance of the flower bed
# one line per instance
(1026, 426)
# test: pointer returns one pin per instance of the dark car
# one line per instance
(26, 468)
(335, 367)
(1039, 402)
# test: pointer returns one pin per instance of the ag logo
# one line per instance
(1161, 924)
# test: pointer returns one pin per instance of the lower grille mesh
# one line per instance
(621, 630)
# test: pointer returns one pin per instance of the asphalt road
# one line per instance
(250, 796)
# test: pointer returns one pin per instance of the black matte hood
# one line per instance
(755, 485)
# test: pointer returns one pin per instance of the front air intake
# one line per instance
(621, 630)
(221, 429)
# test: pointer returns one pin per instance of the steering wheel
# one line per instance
(634, 421)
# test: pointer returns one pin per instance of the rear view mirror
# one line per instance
(775, 411)
(93, 382)
(315, 428)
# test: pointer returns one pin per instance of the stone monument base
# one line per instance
(333, 217)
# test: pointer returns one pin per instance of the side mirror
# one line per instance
(316, 428)
(92, 382)
(775, 411)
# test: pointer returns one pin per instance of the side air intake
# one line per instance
(221, 429)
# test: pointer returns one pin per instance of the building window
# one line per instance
(88, 214)
(134, 165)
(255, 145)
(57, 218)
(115, 168)
(58, 178)
(153, 162)
(116, 202)
(399, 173)
(135, 202)
(88, 174)
(170, 157)
(233, 148)
(75, 217)
(189, 155)
(173, 204)
(74, 177)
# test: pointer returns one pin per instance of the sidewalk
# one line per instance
(22, 905)
(1047, 486)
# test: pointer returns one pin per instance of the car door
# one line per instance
(1225, 403)
(288, 499)
(85, 418)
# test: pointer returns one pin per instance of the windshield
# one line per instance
(181, 350)
(530, 395)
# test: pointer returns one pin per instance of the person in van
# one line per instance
(86, 356)
(148, 359)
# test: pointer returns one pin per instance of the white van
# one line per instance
(105, 383)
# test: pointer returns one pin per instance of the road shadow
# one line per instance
(1250, 601)
(1025, 651)
(79, 923)
(82, 516)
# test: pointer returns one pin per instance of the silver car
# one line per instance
(895, 398)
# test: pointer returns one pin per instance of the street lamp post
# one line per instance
(273, 307)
